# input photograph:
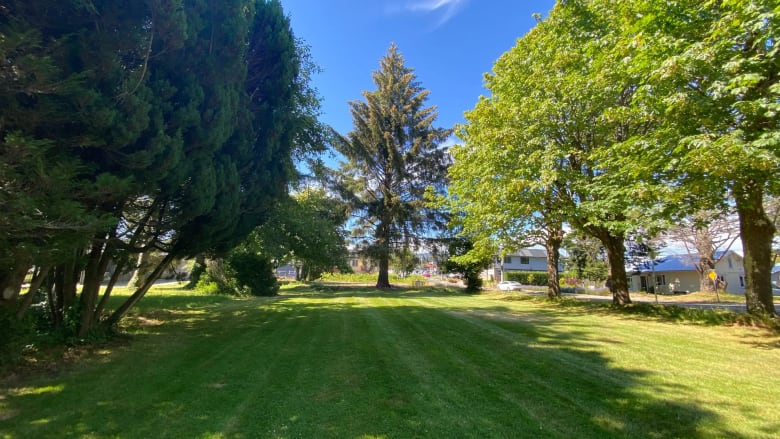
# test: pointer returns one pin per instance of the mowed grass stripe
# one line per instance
(482, 375)
(416, 372)
(361, 363)
(646, 362)
(719, 370)
(516, 340)
(552, 378)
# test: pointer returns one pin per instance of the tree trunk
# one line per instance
(109, 288)
(756, 231)
(616, 255)
(706, 261)
(35, 285)
(140, 292)
(63, 291)
(141, 269)
(383, 246)
(705, 265)
(145, 263)
(553, 246)
(383, 280)
(197, 270)
(93, 277)
(705, 283)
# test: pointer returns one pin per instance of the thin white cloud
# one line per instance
(445, 8)
(432, 5)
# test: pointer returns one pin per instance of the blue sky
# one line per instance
(450, 44)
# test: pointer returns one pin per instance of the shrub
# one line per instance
(14, 334)
(349, 277)
(197, 271)
(253, 273)
(538, 278)
(217, 279)
(242, 273)
(207, 286)
(473, 282)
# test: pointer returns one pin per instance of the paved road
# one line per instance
(736, 307)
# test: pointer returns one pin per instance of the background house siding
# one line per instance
(677, 273)
(533, 263)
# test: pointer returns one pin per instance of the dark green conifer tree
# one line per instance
(142, 120)
(394, 157)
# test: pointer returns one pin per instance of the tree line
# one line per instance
(616, 119)
(163, 125)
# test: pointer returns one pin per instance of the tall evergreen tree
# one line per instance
(73, 110)
(257, 107)
(162, 125)
(394, 157)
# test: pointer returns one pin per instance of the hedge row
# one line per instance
(527, 277)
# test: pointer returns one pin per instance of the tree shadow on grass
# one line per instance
(668, 313)
(370, 291)
(326, 365)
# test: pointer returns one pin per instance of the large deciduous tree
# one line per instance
(560, 103)
(709, 80)
(495, 184)
(723, 75)
(306, 229)
(394, 157)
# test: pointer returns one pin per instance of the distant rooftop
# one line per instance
(530, 252)
(675, 262)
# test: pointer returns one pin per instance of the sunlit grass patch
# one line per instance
(371, 278)
(23, 391)
(408, 362)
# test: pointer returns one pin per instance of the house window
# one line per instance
(660, 279)
(507, 259)
(731, 264)
(353, 262)
(742, 281)
(524, 260)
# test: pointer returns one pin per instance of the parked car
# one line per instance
(509, 285)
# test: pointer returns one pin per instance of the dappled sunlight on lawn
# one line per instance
(24, 391)
(429, 362)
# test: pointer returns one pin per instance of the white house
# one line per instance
(678, 273)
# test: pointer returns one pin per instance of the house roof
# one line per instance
(530, 252)
(677, 262)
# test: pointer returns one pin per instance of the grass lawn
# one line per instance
(353, 362)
